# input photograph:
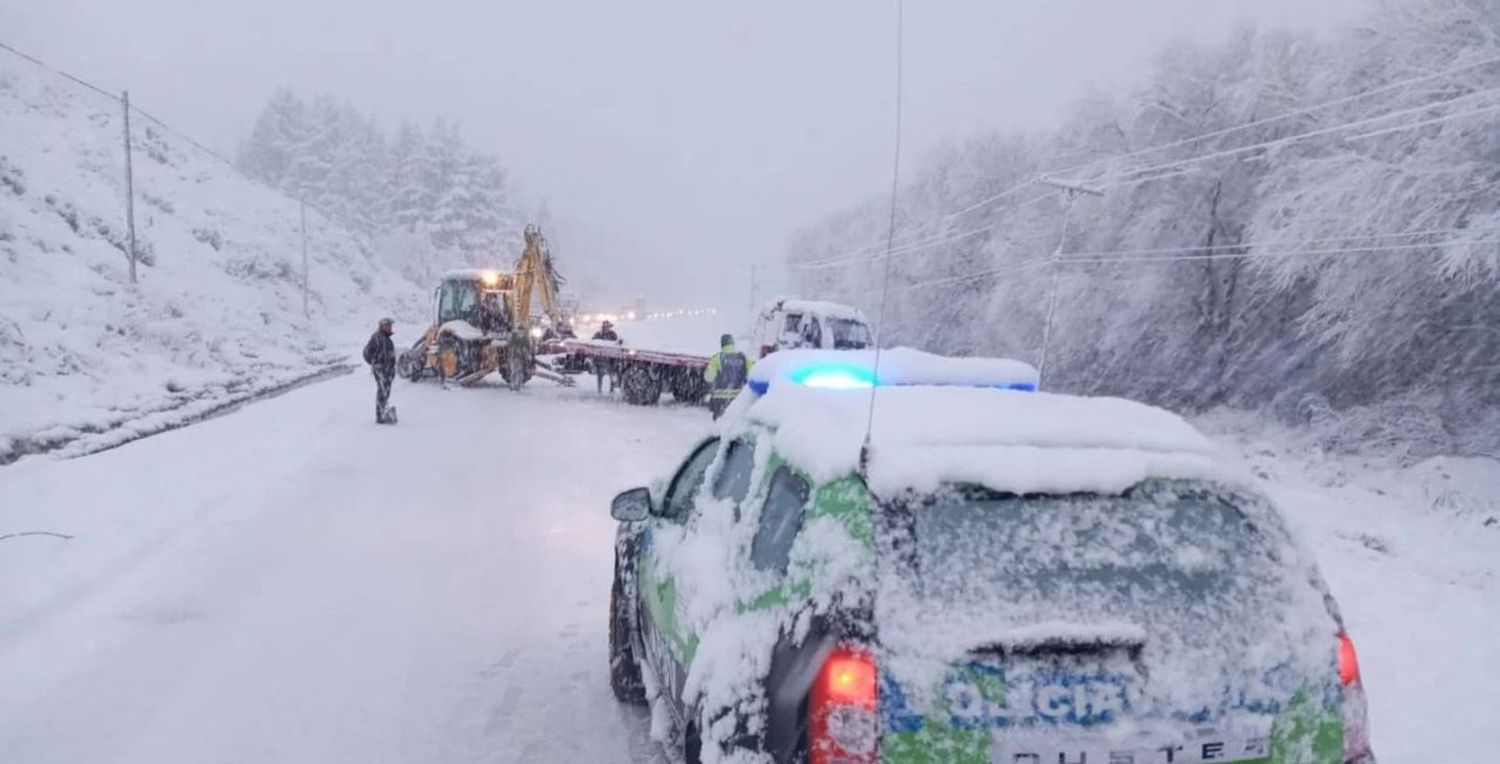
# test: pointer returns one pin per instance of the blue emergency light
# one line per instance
(831, 375)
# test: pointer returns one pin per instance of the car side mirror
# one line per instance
(631, 506)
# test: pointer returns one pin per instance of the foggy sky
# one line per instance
(673, 143)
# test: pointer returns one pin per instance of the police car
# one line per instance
(933, 562)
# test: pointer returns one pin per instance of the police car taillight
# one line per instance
(843, 725)
(1354, 708)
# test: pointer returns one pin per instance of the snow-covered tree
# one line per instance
(428, 187)
(1249, 248)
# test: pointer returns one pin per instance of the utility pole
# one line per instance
(129, 186)
(302, 208)
(754, 288)
(1071, 190)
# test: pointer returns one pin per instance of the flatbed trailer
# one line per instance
(644, 374)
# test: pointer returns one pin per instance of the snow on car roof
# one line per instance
(924, 435)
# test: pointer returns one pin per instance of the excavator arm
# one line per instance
(535, 275)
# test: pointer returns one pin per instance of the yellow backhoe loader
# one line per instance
(483, 322)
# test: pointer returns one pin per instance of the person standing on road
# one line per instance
(603, 368)
(380, 354)
(727, 372)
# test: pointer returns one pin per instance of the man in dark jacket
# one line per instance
(606, 333)
(380, 354)
(604, 367)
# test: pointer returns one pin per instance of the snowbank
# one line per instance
(217, 314)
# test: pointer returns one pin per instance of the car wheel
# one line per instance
(624, 669)
(692, 744)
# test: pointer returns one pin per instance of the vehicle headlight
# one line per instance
(536, 332)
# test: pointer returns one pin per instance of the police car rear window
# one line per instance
(1164, 553)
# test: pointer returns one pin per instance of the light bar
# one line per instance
(854, 370)
(834, 377)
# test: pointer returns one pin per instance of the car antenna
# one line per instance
(890, 237)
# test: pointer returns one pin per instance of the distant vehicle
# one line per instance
(1002, 576)
(788, 324)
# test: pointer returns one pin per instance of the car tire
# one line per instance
(692, 744)
(624, 668)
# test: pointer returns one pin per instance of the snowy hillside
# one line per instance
(86, 358)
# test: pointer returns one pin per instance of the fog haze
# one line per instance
(673, 144)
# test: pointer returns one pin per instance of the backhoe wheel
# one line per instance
(409, 367)
(642, 387)
(516, 370)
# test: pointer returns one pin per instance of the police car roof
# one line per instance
(930, 431)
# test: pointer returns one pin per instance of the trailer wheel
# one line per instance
(689, 387)
(642, 386)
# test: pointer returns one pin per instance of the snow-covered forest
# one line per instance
(1300, 224)
(424, 198)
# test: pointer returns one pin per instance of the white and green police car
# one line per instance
(970, 571)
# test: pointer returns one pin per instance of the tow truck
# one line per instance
(784, 324)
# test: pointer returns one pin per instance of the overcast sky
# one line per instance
(674, 143)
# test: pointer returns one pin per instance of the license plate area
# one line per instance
(1202, 747)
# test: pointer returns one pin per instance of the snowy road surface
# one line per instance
(292, 583)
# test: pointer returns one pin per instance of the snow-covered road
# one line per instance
(293, 583)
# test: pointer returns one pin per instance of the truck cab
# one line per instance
(788, 324)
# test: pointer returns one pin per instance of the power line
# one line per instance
(1302, 242)
(1184, 254)
(885, 287)
(1423, 123)
(1000, 271)
(1321, 132)
(947, 216)
(1275, 254)
(913, 247)
(916, 245)
(1389, 87)
(157, 120)
(1252, 147)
